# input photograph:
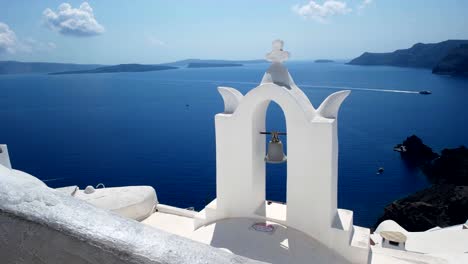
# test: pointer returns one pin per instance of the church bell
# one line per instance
(275, 153)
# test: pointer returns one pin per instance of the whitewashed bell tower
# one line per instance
(312, 162)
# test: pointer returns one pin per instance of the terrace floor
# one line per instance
(238, 236)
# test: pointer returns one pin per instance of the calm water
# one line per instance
(136, 128)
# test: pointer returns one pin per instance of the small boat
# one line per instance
(380, 170)
(425, 92)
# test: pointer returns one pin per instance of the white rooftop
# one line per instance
(287, 245)
(236, 235)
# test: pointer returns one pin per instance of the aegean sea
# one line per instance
(157, 128)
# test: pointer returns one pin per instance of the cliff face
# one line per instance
(440, 205)
(450, 168)
(419, 55)
(443, 204)
(455, 63)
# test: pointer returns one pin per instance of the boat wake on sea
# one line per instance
(360, 89)
(309, 86)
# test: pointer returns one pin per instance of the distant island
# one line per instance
(16, 67)
(187, 62)
(323, 61)
(443, 204)
(120, 68)
(211, 65)
(447, 57)
(415, 153)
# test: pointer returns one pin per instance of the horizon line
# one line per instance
(171, 62)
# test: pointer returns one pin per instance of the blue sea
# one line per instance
(157, 128)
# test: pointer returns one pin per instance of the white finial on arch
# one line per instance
(277, 73)
(277, 53)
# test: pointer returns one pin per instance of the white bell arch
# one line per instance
(240, 150)
(312, 164)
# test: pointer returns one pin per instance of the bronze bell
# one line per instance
(275, 153)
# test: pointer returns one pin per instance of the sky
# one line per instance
(158, 31)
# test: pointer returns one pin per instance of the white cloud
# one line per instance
(73, 21)
(8, 39)
(321, 12)
(10, 43)
(153, 41)
(365, 3)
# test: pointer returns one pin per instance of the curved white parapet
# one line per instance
(331, 105)
(135, 202)
(231, 97)
(40, 225)
(27, 178)
(390, 225)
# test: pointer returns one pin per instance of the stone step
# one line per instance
(361, 237)
(343, 220)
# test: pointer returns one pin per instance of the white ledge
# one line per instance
(32, 215)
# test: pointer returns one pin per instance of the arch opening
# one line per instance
(275, 174)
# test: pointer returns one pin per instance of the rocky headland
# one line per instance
(455, 63)
(448, 57)
(443, 204)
